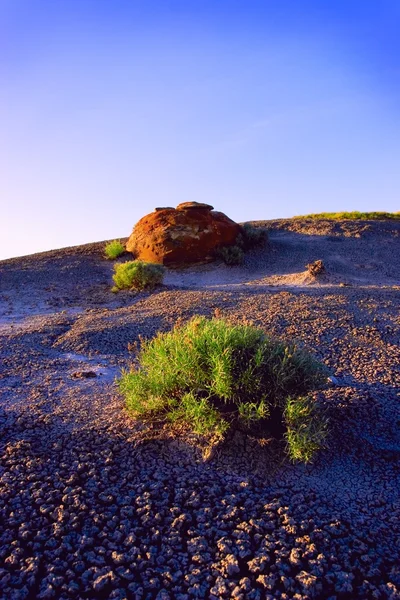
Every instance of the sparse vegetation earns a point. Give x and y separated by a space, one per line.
253 237
114 249
353 216
137 275
213 375
250 237
231 255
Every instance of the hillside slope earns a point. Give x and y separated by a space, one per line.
94 505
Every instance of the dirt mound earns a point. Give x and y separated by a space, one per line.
349 257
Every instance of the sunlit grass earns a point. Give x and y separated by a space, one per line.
114 249
353 216
137 275
307 428
212 376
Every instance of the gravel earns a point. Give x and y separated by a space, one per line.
96 505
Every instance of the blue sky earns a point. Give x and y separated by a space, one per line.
262 108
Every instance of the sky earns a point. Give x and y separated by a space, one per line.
262 108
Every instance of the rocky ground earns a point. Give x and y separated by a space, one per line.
94 505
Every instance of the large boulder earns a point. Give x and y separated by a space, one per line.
189 233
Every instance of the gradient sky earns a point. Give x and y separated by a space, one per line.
262 108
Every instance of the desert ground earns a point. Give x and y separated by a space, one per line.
96 505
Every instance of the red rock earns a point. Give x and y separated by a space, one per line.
188 234
194 206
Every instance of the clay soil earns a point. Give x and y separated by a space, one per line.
96 505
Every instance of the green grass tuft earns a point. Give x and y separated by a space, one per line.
202 416
307 428
212 375
353 216
114 249
137 275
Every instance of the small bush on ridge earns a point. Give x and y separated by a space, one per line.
253 237
212 375
250 237
114 249
137 275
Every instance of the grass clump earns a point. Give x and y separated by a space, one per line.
212 376
137 275
353 216
201 415
306 430
114 249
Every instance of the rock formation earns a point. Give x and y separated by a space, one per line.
187 234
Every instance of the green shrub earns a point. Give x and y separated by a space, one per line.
137 275
253 237
250 237
231 255
114 249
212 375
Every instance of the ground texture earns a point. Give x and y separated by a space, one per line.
92 507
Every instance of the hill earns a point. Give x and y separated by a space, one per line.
94 504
